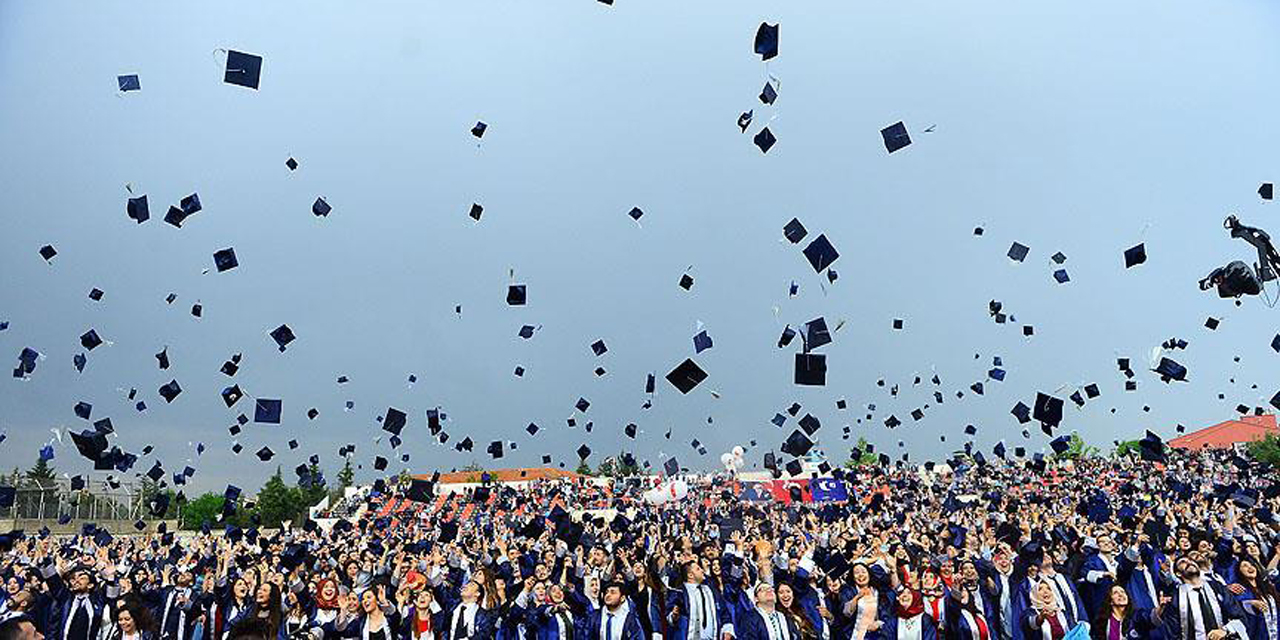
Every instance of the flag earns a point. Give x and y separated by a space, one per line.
754 492
829 490
783 491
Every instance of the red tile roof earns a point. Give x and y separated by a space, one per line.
1225 434
504 475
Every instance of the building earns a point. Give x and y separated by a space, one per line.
1228 434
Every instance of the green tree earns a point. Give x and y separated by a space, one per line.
314 492
203 509
1128 448
859 456
1077 449
1265 450
278 502
584 468
41 475
41 499
347 476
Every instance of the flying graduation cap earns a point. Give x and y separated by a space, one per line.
895 136
766 43
243 69
129 82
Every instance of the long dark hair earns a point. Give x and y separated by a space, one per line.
271 614
796 614
142 618
1259 585
1104 613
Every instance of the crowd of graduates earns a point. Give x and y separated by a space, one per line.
1113 548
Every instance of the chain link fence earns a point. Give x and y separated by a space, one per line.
49 501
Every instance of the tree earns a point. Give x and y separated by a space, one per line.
1076 450
278 502
41 499
859 456
1266 450
583 468
314 491
1128 448
347 476
201 510
41 475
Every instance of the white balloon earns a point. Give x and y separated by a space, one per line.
655 497
738 451
726 459
679 489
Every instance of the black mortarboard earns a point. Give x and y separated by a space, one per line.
766 43
768 94
90 444
686 282
225 260
170 391
671 466
1018 252
162 358
811 369
243 69
1265 191
1170 370
90 340
95 294
516 294
83 410
810 424
598 347
686 376
744 120
788 334
495 449
265 454
794 231
321 208
283 335
1022 412
1091 390
479 129
48 252
231 395
130 82
379 463
267 410
394 421
476 211
794 468
137 209
820 253
816 333
1135 256
797 444
1048 409
895 136
1060 444
764 140
1152 448
291 163
584 452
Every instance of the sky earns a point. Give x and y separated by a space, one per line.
1084 127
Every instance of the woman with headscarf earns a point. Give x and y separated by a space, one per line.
907 619
327 605
1045 620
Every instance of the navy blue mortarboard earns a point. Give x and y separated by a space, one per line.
768 95
671 466
129 82
811 369
1048 409
764 140
797 444
48 252
394 421
895 136
320 208
1135 256
1018 252
479 129
90 340
816 333
1022 412
686 376
599 348
516 294
1266 191
1060 444
170 391
83 410
701 342
90 444
526 331
794 231
820 253
766 43
1170 370
267 410
225 260
243 69
1152 448
283 335
788 334
231 395
137 209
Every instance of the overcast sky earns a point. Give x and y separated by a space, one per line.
1083 127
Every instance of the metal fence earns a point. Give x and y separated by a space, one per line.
52 500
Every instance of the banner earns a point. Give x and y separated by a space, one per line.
788 491
755 492
829 490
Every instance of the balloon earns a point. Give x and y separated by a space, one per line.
738 451
726 459
679 489
656 497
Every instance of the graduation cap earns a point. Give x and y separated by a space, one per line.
1017 253
48 252
788 334
816 333
671 466
130 82
283 335
225 260
764 140
321 208
895 136
794 231
1170 370
1060 444
686 282
584 452
701 342
766 43
820 253
495 449
1022 412
526 331
516 295
1061 276
811 369
95 294
1152 448
90 340
291 163
83 410
810 424
1265 191
170 391
90 444
797 444
267 411
686 376
598 347
768 94
1135 255
744 120
243 69
479 129
794 468
1048 409
476 211
138 210
394 421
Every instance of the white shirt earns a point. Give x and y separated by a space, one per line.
776 624
911 628
619 619
700 595
468 614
